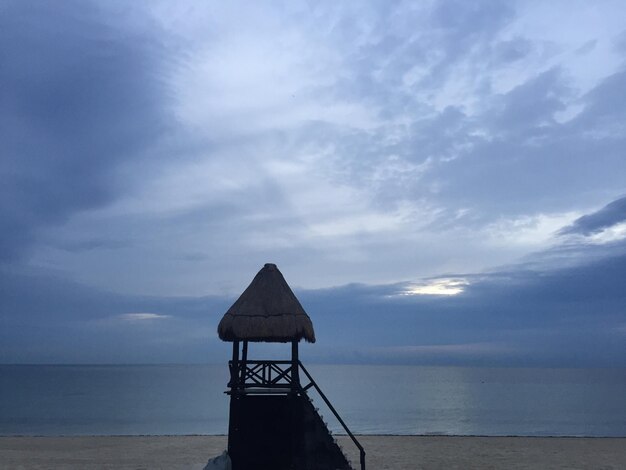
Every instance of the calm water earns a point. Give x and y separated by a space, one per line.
189 399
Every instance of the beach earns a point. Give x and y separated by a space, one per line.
383 452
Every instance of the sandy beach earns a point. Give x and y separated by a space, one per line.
383 452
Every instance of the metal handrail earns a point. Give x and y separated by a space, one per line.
330 406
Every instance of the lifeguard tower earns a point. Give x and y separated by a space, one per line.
273 423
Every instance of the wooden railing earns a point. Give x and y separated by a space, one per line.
266 374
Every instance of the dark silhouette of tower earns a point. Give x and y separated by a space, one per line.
273 423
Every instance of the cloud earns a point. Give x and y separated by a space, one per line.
80 96
426 132
46 318
567 315
153 155
610 215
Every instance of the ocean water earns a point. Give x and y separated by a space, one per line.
190 399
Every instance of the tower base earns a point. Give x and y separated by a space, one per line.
280 432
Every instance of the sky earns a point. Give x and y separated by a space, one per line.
441 182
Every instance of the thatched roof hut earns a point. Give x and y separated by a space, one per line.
267 311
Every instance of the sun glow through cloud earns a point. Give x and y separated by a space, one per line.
142 316
437 287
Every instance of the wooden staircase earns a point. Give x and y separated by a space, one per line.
321 449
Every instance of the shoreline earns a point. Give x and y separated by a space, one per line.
405 452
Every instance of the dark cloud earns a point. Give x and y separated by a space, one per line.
79 95
92 244
619 43
468 32
512 50
46 318
513 155
437 40
46 299
571 316
611 214
527 161
528 109
466 19
587 47
604 113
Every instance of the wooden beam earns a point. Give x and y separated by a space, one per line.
244 365
295 375
234 368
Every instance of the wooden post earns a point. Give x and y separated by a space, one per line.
234 369
244 361
234 411
295 366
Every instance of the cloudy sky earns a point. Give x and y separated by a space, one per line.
441 182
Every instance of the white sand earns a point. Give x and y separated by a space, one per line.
383 452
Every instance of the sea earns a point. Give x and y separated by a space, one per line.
401 400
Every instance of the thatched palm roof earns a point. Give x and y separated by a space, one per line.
268 311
